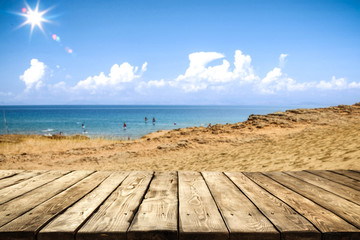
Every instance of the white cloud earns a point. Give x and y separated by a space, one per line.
276 80
199 76
354 85
197 68
144 67
339 83
156 83
118 75
243 69
282 60
33 76
150 84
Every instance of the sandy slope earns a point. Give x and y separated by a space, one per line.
324 138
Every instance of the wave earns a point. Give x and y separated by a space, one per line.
48 130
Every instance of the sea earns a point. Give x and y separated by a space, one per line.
107 121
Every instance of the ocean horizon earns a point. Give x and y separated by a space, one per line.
107 121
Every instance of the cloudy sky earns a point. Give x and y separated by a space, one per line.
180 52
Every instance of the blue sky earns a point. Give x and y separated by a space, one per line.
181 52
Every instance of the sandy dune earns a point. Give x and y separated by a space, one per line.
323 138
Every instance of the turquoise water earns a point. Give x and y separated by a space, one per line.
107 120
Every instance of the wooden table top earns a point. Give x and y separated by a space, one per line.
51 205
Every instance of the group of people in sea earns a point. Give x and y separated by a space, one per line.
153 120
124 125
146 119
83 127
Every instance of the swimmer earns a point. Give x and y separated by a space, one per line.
124 126
153 121
145 119
174 123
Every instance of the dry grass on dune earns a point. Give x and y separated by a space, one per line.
292 140
35 144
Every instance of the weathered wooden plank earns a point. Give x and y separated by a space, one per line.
242 217
286 220
13 191
27 225
338 205
5 182
349 173
14 208
157 217
332 226
337 178
336 188
114 216
65 225
9 173
199 217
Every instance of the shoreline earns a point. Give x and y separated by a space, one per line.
296 139
108 122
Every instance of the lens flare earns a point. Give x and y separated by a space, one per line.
33 17
55 37
68 50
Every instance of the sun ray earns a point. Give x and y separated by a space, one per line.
34 17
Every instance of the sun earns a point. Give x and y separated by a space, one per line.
34 17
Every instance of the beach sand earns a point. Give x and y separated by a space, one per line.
302 139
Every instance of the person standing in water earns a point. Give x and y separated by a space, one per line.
145 119
153 121
124 126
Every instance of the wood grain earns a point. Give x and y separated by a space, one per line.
14 208
9 173
286 220
114 216
5 182
27 225
186 205
242 217
199 217
337 178
23 187
349 173
333 187
157 217
64 226
338 205
327 222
